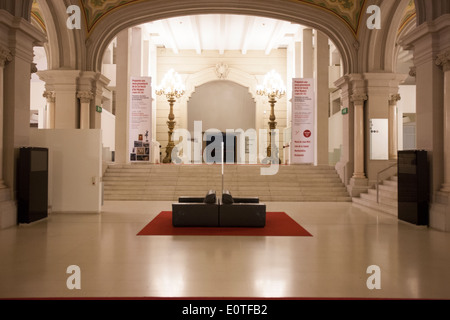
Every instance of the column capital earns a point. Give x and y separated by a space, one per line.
85 96
394 98
443 60
359 98
34 68
5 56
50 96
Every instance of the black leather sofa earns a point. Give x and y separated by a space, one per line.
196 212
241 212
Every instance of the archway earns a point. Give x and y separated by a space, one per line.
313 16
216 104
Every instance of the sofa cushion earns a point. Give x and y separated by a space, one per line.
227 198
211 197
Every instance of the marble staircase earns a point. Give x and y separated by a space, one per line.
146 182
388 197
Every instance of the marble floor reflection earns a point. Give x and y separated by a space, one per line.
114 262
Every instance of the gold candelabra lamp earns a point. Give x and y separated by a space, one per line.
273 88
173 88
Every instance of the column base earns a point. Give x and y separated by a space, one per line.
445 188
357 186
440 212
8 210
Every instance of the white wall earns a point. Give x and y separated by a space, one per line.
75 166
335 135
255 64
222 105
108 130
407 104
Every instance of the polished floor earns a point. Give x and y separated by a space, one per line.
414 261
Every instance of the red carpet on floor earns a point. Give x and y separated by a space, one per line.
278 224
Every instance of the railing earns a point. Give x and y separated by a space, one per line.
378 179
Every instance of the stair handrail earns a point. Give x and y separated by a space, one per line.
378 179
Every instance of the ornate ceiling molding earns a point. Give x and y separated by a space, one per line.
349 11
36 15
408 15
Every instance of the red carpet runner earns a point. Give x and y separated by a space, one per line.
278 224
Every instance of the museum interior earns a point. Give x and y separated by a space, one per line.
280 148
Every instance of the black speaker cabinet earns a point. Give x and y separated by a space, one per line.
413 187
32 185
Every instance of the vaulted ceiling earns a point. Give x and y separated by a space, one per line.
222 33
349 11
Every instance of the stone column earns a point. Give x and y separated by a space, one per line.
393 126
64 85
5 56
51 98
443 61
322 58
122 97
358 100
85 103
308 54
298 59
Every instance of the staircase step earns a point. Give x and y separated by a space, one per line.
373 197
376 206
168 182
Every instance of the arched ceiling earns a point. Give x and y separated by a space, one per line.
408 15
350 11
37 16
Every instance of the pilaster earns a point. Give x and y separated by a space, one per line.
430 42
95 83
5 57
63 83
382 90
322 57
393 126
85 102
17 39
359 182
51 99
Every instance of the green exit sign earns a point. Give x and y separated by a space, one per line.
99 109
345 111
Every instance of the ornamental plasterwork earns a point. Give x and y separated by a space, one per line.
350 11
5 56
394 98
222 70
359 98
408 15
37 16
85 96
443 60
